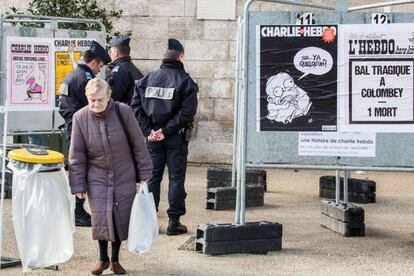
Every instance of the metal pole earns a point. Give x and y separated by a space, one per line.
3 174
337 187
329 167
236 120
380 5
346 178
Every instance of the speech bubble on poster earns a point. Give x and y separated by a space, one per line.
313 60
22 71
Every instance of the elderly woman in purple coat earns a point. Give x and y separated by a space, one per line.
101 166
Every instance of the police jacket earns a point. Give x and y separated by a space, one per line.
166 99
122 78
72 92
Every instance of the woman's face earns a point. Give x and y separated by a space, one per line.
98 102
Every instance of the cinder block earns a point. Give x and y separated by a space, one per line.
219 205
362 198
214 183
354 185
261 246
224 174
250 238
344 228
248 231
343 212
227 193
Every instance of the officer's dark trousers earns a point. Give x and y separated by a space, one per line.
173 152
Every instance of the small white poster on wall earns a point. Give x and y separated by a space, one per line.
30 73
336 144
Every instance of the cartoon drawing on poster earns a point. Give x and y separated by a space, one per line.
67 56
297 85
376 93
29 74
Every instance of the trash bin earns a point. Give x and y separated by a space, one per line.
8 188
42 207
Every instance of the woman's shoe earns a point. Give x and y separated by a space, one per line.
117 268
99 267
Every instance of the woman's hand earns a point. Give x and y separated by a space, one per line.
81 195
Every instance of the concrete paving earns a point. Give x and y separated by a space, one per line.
308 249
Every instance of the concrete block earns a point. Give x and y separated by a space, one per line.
205 109
227 193
168 8
224 70
206 50
363 198
216 29
139 49
200 69
343 228
219 205
146 65
224 109
132 7
214 131
156 48
250 238
210 152
213 183
248 231
252 175
344 212
185 28
354 185
190 8
259 246
150 28
219 89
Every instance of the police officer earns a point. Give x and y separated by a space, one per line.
72 98
123 72
165 102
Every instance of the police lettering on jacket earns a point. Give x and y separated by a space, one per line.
166 99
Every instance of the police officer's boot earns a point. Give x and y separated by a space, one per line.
82 218
175 227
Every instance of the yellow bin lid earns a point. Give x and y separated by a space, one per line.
25 156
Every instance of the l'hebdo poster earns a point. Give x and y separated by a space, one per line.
376 92
297 71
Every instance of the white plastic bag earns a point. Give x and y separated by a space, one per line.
43 215
143 224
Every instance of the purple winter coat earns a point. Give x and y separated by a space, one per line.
100 164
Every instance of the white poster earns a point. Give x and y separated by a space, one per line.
30 73
337 144
375 78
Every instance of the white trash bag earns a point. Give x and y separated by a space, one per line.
43 214
143 224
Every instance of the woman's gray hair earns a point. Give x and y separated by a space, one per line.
95 85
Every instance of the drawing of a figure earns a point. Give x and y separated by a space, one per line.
33 89
286 101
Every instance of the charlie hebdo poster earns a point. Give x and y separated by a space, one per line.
29 73
376 93
297 78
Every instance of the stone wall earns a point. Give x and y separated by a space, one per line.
210 58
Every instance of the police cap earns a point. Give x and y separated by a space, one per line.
174 44
100 52
120 41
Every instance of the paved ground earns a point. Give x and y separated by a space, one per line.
308 249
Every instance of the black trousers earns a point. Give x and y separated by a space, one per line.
173 153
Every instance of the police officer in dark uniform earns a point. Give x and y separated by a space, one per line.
165 102
123 72
72 98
